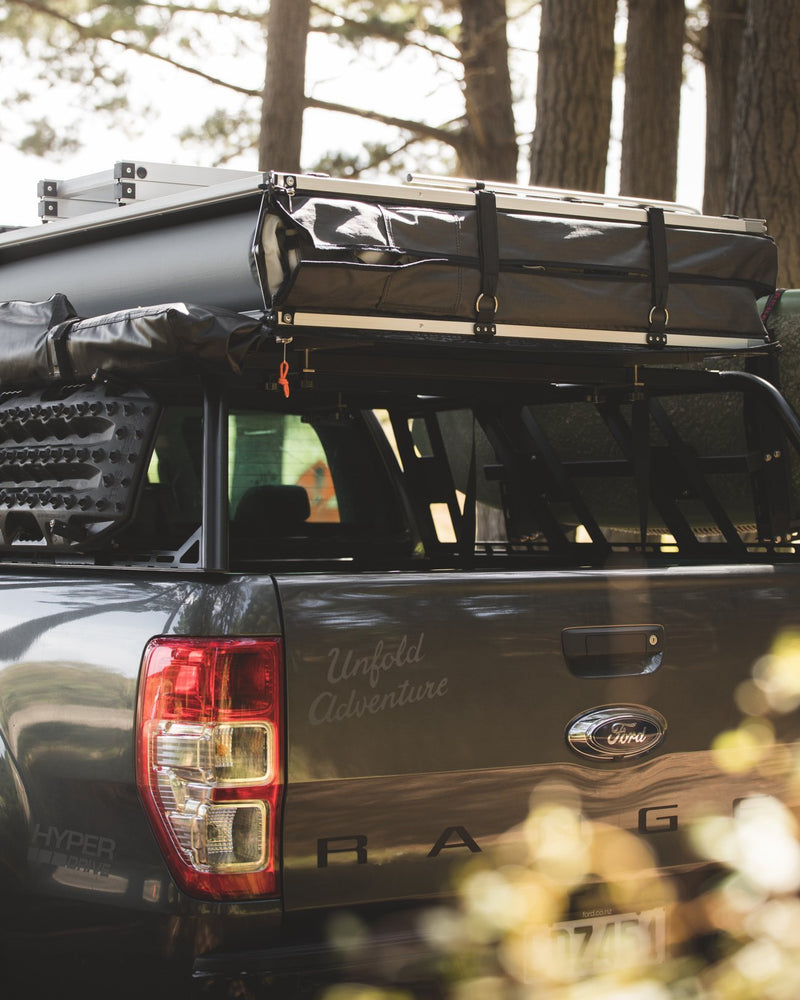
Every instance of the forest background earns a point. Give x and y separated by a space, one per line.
582 94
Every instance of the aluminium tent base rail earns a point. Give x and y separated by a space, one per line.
291 322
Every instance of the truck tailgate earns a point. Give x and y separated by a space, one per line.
424 710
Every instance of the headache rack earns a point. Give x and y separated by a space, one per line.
579 474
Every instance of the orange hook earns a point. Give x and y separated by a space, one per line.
282 379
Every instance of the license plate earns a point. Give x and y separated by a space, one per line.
593 945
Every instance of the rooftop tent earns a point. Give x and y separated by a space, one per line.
511 264
458 258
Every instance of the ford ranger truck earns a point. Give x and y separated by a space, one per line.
296 620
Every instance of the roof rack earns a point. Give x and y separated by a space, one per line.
549 194
435 190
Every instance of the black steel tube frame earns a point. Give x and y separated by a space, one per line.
214 533
782 408
214 556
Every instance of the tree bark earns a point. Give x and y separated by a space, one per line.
721 55
653 77
765 168
489 149
283 98
573 94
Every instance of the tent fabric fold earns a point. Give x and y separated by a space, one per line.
43 342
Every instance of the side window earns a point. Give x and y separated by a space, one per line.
298 487
268 452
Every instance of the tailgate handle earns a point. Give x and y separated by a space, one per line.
613 650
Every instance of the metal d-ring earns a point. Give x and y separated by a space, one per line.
666 315
480 299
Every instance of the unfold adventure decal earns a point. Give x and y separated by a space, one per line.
367 685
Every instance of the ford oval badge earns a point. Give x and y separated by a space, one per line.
616 731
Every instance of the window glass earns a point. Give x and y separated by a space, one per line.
277 449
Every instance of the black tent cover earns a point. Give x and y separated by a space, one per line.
44 342
341 255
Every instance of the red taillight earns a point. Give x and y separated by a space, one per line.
208 761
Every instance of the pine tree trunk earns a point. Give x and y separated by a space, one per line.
284 87
489 149
765 168
573 94
653 76
721 55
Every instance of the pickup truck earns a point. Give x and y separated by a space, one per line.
298 620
